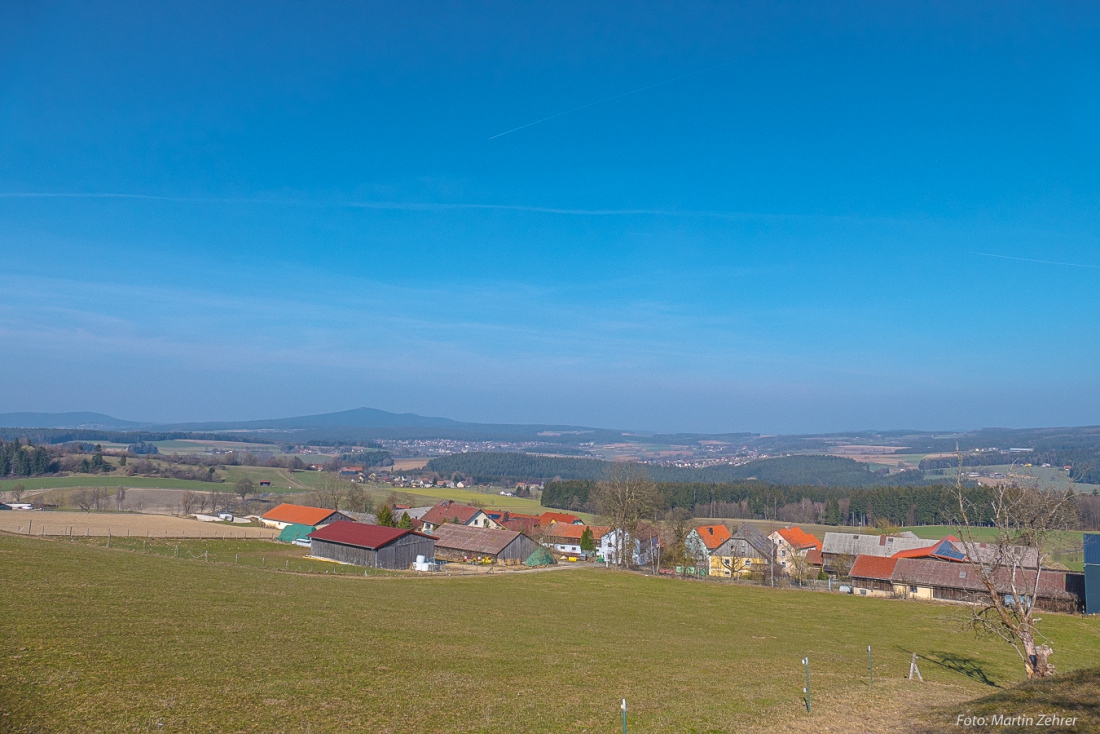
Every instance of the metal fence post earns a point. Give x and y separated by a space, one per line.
806 662
870 666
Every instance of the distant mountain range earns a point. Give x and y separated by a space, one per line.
67 420
363 424
355 423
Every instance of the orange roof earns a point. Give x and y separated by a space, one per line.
549 517
298 514
450 511
565 531
873 567
799 538
713 535
917 552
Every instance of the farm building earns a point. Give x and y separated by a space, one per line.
467 543
280 516
646 547
702 541
373 546
566 538
793 546
932 578
841 546
454 513
741 554
548 517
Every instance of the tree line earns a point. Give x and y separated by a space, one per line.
901 506
801 469
25 460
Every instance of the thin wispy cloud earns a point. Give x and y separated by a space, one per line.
435 206
608 99
1040 262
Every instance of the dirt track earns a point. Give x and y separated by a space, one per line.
122 524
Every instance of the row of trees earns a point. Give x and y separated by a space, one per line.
488 467
25 460
900 506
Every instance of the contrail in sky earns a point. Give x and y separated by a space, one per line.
609 99
413 206
1041 262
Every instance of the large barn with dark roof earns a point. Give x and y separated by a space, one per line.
373 546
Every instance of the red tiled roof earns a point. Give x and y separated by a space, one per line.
873 567
549 517
361 534
563 531
713 535
298 514
450 511
501 515
525 525
813 557
799 538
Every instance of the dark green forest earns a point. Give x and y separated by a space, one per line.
915 505
832 471
19 460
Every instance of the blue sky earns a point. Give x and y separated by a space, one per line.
811 217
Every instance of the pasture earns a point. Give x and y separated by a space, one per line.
117 640
432 495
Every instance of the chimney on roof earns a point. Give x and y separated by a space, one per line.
882 540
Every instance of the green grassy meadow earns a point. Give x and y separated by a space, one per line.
1074 698
525 505
118 639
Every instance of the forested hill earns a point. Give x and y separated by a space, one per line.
815 470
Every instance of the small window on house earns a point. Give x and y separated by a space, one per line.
962 574
912 589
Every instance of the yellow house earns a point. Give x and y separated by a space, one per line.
743 553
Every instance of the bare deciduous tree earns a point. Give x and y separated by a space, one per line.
188 500
120 497
99 498
17 493
331 491
623 500
244 487
83 500
842 565
218 500
798 566
678 525
358 500
1025 520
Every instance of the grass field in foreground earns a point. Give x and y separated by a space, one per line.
114 640
1074 699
